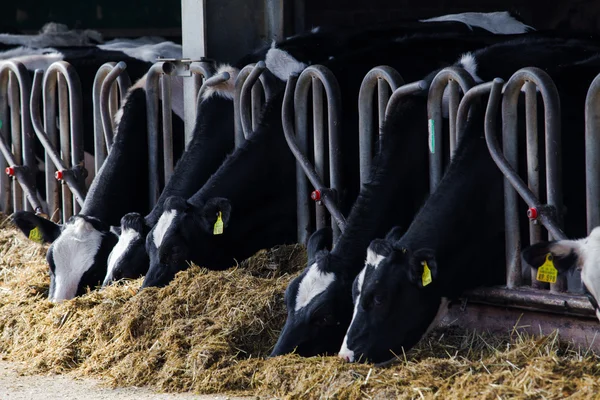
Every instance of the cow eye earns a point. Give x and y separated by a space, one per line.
378 300
325 320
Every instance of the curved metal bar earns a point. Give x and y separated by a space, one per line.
71 176
212 81
375 78
25 168
247 91
152 87
450 77
592 154
105 91
201 71
296 137
404 90
551 101
464 108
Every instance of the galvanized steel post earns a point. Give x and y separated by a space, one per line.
592 154
454 78
158 70
73 176
382 78
297 137
19 159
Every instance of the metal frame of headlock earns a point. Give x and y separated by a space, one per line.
526 298
251 84
454 79
18 154
110 88
295 118
60 77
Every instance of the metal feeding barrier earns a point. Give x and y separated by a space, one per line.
64 146
18 147
110 88
455 80
295 127
251 86
592 154
515 294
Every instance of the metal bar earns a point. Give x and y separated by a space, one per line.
378 76
404 90
152 87
24 167
105 94
465 106
296 136
435 120
256 102
72 175
167 128
65 144
592 154
513 268
194 41
246 97
533 164
454 101
509 135
212 81
319 146
16 138
5 181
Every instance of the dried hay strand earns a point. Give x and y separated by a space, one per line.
209 332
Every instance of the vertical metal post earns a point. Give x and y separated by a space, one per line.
383 77
435 120
193 30
510 143
17 142
592 154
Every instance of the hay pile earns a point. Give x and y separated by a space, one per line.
209 331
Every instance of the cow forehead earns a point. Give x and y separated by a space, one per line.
124 243
314 282
163 225
73 254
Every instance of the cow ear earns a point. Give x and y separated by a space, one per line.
564 254
320 240
422 267
216 213
36 228
395 234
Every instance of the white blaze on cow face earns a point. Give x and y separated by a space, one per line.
373 258
345 352
163 225
499 23
116 255
314 283
282 64
73 254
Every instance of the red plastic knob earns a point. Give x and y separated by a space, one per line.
59 175
532 213
316 195
10 171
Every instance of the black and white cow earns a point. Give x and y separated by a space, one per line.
184 233
408 278
80 248
212 141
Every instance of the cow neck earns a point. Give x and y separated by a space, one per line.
392 195
212 140
123 168
256 172
464 212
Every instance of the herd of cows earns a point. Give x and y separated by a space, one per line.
404 254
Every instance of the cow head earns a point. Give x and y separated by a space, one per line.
78 254
396 300
128 259
318 303
566 255
186 232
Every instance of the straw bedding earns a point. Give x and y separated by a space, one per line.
209 332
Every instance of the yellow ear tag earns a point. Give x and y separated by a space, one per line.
547 272
35 235
426 274
218 229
